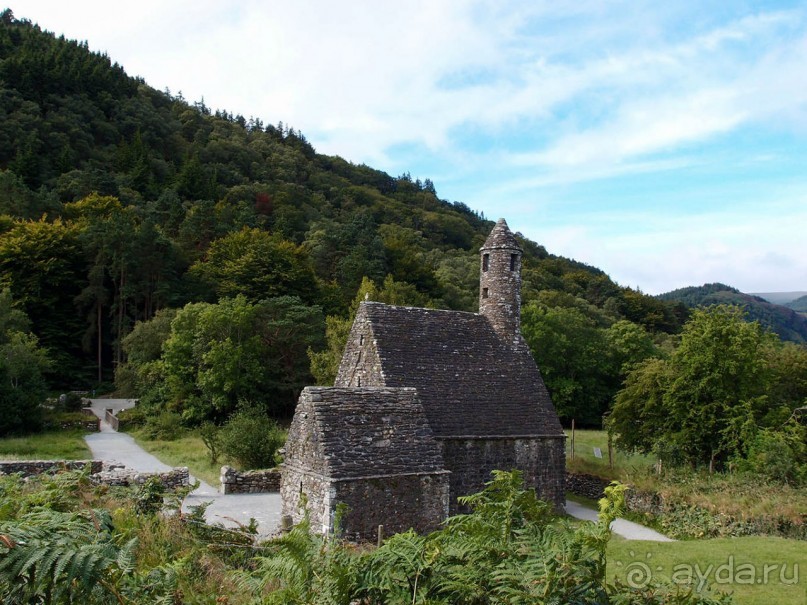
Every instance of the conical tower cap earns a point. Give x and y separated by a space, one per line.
501 237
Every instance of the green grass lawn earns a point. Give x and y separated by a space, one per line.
585 461
51 445
756 570
188 450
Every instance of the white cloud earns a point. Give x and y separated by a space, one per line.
657 251
552 94
363 76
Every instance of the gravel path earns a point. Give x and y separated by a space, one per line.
621 527
230 510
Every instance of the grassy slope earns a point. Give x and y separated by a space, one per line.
188 450
585 461
679 559
734 495
625 556
53 445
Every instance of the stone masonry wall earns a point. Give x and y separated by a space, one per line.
360 365
500 283
296 485
419 502
400 502
588 486
121 476
249 482
592 487
29 468
471 462
108 473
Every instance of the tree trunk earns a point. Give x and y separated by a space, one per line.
98 316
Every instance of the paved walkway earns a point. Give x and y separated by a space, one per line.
230 510
621 527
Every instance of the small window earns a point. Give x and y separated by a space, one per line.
358 381
361 339
484 292
485 262
513 261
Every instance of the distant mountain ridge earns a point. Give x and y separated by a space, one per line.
782 320
799 305
780 298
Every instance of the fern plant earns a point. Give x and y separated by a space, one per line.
302 568
55 557
58 557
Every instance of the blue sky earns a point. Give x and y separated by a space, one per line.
665 143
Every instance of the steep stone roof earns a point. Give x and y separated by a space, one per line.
469 381
361 432
501 237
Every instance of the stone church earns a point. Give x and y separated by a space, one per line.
425 405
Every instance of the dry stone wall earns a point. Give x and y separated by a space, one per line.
107 473
118 475
587 486
593 488
249 482
29 468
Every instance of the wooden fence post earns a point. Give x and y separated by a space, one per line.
572 452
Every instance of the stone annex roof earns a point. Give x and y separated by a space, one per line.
349 433
501 237
469 381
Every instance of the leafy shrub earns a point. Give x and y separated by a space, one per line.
149 496
132 418
509 549
166 426
71 402
779 456
251 439
126 380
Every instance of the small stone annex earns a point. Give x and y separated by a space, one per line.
426 404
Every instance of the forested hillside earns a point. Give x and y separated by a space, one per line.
799 305
118 202
783 320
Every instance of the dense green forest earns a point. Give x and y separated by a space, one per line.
782 319
118 201
207 262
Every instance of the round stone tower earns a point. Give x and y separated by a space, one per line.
500 282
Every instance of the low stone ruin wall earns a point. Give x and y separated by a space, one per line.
121 476
592 487
29 468
587 486
249 482
108 473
